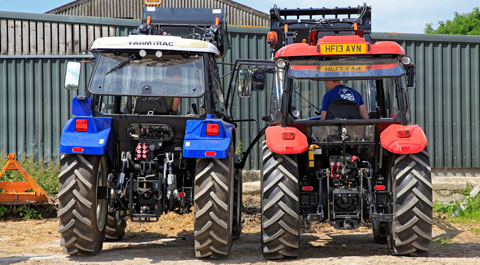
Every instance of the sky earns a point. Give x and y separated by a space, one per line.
401 16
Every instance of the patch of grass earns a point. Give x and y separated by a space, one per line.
445 208
45 173
474 229
444 241
470 215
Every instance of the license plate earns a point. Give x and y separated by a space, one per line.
343 48
343 68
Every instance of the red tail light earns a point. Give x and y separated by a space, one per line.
181 194
403 133
77 149
288 135
379 187
307 188
212 129
81 125
210 153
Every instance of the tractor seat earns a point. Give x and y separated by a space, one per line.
151 105
343 109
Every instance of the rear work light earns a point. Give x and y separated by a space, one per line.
403 133
212 129
288 135
81 125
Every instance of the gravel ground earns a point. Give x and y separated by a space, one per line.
170 241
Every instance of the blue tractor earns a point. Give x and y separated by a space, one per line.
151 135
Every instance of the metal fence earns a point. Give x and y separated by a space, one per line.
34 106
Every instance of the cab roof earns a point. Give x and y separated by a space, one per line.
154 42
340 45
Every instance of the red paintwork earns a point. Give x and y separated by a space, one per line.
367 67
411 145
277 144
303 49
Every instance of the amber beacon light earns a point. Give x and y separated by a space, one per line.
153 2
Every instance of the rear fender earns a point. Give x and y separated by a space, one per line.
96 141
415 143
197 144
277 143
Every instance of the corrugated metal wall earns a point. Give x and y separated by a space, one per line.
33 34
446 102
237 14
34 106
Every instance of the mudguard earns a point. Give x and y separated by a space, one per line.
197 144
96 141
278 144
414 143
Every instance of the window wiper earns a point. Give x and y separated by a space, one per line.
121 64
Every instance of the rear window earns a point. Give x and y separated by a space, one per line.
346 68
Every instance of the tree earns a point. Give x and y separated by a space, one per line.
462 24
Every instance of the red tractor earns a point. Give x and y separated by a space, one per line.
354 161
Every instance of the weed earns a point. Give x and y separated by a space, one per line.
445 208
468 188
238 149
444 241
3 211
471 213
28 213
474 229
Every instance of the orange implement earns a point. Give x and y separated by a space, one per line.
17 191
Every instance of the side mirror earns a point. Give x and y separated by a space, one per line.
244 84
411 82
72 75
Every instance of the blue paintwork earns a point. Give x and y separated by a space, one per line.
82 107
94 142
196 141
97 141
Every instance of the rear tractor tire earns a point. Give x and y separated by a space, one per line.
411 230
115 227
213 207
237 205
280 206
82 216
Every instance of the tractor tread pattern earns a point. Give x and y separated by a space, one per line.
412 228
78 228
114 227
280 206
212 234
